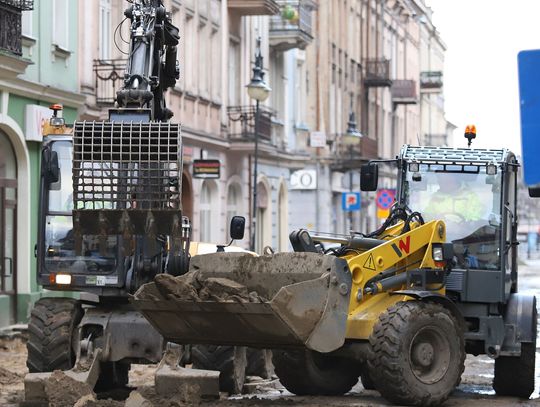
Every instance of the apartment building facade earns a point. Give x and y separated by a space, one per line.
38 67
370 62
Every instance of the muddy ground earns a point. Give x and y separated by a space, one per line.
475 388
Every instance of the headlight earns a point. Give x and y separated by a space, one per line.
63 279
438 253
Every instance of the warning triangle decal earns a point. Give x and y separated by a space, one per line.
370 264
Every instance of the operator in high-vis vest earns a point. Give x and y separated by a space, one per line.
454 201
461 208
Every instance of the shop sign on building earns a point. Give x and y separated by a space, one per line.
317 139
34 117
206 169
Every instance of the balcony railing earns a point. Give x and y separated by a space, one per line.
242 123
293 27
404 92
431 80
11 26
21 5
109 78
377 73
253 7
349 157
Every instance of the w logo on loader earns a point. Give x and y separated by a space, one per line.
404 246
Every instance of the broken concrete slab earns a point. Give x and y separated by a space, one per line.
204 383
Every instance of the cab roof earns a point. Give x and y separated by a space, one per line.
454 155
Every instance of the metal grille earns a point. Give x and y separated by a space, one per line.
23 5
126 165
454 154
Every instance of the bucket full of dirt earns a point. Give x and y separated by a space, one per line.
281 300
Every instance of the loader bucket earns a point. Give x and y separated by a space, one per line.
276 301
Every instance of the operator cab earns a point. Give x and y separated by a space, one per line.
474 193
468 200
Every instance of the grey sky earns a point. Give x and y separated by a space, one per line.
481 83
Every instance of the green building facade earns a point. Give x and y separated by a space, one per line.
38 67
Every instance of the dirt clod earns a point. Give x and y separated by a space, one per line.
190 287
64 391
7 377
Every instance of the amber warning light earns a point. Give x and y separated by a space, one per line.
470 133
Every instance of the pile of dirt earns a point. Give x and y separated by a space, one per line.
7 377
191 287
64 391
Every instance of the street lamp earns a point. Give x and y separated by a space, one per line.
257 89
351 138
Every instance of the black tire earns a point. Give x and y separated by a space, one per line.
231 361
305 372
514 376
259 363
417 354
52 327
365 378
112 375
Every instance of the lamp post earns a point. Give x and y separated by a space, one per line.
351 138
257 89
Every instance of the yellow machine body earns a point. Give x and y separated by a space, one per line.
403 251
303 299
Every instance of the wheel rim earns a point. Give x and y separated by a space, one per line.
429 355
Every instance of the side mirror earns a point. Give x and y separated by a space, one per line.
51 169
238 225
534 192
369 177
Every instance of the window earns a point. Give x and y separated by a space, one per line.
234 74
105 29
188 52
204 66
61 23
207 211
234 201
27 23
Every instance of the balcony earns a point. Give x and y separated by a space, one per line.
109 78
242 123
352 157
253 7
431 81
292 27
10 21
377 73
404 92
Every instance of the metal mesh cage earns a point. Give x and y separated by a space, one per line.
123 167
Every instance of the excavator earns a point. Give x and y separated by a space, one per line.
111 220
398 308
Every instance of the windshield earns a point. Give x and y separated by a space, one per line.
63 250
469 202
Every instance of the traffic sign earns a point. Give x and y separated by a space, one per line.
350 201
385 198
529 102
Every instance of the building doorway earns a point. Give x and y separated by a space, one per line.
8 223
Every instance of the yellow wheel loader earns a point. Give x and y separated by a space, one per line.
399 307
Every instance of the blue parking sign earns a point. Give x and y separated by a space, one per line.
350 201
